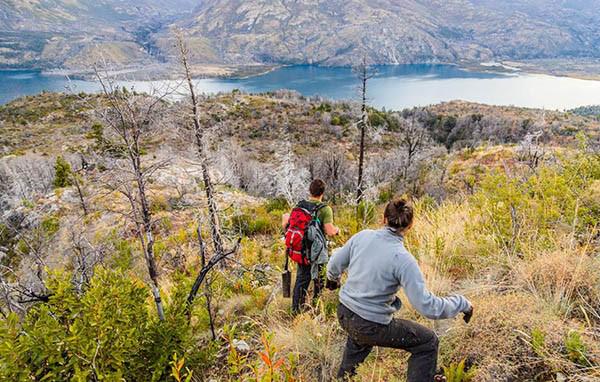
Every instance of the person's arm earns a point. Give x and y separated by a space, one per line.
285 218
328 227
424 301
339 261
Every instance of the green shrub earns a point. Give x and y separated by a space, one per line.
277 204
377 119
340 120
50 225
73 337
366 213
324 107
457 372
249 225
256 221
576 349
109 332
62 173
538 341
97 134
517 210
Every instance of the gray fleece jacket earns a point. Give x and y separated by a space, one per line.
379 265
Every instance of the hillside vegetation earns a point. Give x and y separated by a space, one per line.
507 212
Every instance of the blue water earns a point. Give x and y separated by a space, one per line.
393 87
18 83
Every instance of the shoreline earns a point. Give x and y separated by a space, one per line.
166 72
158 72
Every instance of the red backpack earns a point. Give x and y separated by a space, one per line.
301 218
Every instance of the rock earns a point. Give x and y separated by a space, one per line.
241 346
69 196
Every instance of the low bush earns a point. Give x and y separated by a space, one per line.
250 221
62 173
109 332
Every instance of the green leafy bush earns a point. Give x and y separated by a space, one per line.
107 332
77 337
517 210
277 204
538 341
458 372
576 349
62 173
252 221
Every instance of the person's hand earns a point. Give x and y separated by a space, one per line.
332 285
467 314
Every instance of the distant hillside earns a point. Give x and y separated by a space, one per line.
333 32
63 33
395 31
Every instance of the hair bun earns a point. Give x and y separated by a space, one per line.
399 214
400 204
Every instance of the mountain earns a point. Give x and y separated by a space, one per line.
334 32
63 33
74 33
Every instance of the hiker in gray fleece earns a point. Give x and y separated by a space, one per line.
378 265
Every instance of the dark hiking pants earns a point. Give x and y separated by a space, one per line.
416 339
303 279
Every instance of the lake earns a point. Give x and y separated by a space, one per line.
393 87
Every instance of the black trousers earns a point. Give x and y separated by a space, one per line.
303 280
420 341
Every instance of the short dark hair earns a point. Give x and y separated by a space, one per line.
399 214
317 188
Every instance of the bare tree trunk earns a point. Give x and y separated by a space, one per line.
204 271
130 123
149 237
207 287
198 133
81 195
364 76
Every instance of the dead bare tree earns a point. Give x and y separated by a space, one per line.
364 74
203 275
27 283
84 256
413 138
199 132
334 166
530 150
132 118
78 182
290 179
199 135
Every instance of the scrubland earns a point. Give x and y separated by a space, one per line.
504 215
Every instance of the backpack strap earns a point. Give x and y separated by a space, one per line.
319 207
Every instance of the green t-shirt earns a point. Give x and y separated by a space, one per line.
325 214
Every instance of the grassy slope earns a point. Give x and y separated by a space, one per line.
543 279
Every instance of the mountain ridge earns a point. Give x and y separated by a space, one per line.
332 33
393 31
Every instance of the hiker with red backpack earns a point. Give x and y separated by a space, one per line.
306 229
